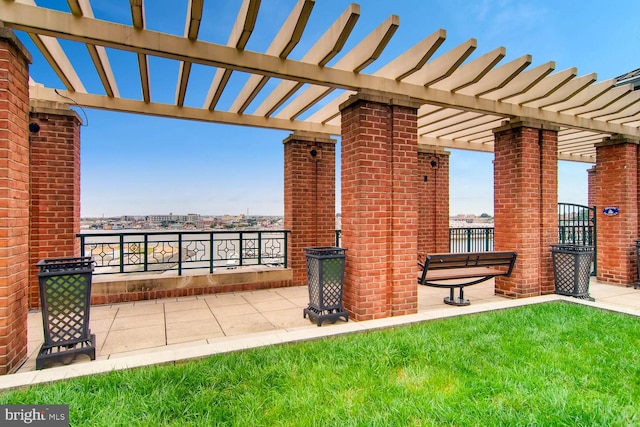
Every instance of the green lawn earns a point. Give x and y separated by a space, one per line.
551 364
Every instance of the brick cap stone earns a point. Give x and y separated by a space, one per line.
310 137
381 98
8 35
616 140
526 123
54 108
432 149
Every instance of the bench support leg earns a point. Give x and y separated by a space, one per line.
456 301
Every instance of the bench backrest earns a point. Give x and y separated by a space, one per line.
470 259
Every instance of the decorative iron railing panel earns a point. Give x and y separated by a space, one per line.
151 251
577 226
473 239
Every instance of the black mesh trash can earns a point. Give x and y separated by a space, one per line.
325 275
572 270
65 293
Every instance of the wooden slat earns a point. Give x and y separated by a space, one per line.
173 111
521 83
320 53
567 91
498 77
191 29
284 42
98 54
602 101
631 111
456 117
55 56
442 66
355 60
438 116
137 15
479 124
616 107
545 87
242 29
471 72
584 96
413 59
404 65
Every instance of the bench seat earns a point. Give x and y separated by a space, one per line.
463 273
457 270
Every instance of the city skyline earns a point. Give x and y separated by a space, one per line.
135 163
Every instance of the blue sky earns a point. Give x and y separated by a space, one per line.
135 164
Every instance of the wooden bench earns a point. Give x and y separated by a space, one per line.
474 266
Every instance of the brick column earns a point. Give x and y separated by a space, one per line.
433 200
379 205
617 186
591 176
55 187
526 204
14 200
309 196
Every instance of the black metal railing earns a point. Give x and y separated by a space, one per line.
151 251
479 239
475 239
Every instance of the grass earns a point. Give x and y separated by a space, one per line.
553 364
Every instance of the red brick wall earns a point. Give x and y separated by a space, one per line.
14 201
309 197
525 205
379 207
119 297
617 185
55 189
433 201
591 176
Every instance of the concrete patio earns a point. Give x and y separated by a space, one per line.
164 331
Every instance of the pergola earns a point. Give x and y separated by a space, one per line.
394 125
462 101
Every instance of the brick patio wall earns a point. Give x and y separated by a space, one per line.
14 200
433 201
135 287
55 187
592 184
617 186
379 205
525 204
309 197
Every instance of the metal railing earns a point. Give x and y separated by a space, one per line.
476 239
479 239
151 251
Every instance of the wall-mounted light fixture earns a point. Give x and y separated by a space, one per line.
34 127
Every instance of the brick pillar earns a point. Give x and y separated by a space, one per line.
526 204
55 187
14 200
617 186
591 176
309 196
379 205
433 201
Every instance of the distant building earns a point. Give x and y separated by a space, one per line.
632 77
174 219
